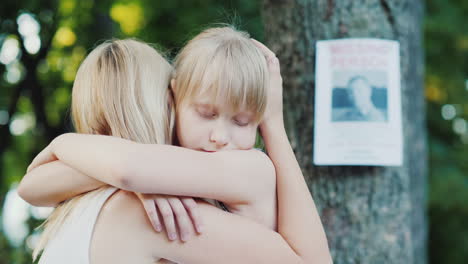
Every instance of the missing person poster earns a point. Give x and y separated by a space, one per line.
358 103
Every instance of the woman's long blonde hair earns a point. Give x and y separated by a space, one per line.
121 89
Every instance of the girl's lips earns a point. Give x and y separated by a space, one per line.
208 150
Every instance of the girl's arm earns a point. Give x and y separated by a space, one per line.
54 182
234 177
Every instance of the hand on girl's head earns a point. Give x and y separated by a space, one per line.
275 92
269 55
174 211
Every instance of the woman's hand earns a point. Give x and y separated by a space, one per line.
183 209
274 110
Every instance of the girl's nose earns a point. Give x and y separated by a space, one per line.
219 136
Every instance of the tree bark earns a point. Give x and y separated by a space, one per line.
371 214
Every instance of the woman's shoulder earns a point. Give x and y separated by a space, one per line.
119 199
121 203
123 224
126 209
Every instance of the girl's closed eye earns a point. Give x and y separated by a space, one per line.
206 112
242 120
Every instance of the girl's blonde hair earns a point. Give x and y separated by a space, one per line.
223 63
121 89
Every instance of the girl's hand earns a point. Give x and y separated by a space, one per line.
45 156
183 208
274 108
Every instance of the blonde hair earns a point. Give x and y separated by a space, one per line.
223 63
121 89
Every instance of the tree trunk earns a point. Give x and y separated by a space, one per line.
371 214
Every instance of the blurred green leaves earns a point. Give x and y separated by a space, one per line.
446 41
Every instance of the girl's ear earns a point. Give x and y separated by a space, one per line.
170 98
173 85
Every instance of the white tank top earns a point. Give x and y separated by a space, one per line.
72 241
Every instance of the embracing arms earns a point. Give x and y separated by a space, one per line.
300 239
53 182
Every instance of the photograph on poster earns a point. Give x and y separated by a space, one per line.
359 96
358 103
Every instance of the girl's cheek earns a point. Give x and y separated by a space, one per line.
247 139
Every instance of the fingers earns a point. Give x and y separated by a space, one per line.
272 60
168 217
191 207
175 213
150 209
183 221
266 51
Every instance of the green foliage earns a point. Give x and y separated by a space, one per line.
446 40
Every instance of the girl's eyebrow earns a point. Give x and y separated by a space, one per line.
205 105
214 107
245 113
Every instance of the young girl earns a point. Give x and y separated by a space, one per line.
229 125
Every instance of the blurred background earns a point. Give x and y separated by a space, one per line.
43 42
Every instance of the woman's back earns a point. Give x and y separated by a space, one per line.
76 230
101 229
